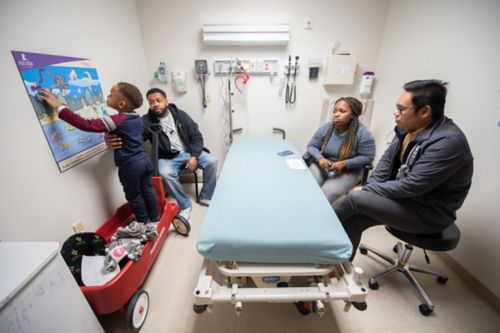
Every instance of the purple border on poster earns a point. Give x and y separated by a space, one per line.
30 60
74 82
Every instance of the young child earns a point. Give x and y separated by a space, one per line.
134 167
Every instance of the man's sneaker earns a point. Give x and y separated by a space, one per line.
204 202
185 213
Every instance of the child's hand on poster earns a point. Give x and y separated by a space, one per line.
46 96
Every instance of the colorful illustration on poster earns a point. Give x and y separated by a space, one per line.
75 82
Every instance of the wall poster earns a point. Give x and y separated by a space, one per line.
75 82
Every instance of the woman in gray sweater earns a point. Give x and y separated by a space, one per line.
340 148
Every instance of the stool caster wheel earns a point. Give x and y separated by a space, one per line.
425 310
373 284
442 279
363 250
199 308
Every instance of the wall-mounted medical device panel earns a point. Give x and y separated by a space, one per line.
256 66
201 67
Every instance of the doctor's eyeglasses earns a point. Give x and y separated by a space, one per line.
402 108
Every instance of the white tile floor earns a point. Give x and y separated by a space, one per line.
392 308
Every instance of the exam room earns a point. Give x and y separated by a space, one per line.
400 41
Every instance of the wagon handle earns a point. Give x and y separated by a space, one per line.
154 129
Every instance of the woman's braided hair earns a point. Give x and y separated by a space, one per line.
348 143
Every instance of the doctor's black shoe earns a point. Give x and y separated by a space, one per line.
304 308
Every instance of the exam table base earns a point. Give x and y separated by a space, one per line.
245 282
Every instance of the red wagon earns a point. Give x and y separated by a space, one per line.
124 290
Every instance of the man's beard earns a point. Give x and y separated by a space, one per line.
162 113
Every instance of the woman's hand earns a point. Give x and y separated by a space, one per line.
324 163
337 166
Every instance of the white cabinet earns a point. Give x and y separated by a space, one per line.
38 292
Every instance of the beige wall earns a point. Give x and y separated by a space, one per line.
171 31
455 41
400 40
37 202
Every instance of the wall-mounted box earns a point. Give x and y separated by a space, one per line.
340 69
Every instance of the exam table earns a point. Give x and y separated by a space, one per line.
270 234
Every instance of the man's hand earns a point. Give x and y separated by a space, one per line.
192 164
46 96
113 141
324 163
337 166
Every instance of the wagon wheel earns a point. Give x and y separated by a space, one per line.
181 225
137 310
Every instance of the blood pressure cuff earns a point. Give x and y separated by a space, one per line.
85 243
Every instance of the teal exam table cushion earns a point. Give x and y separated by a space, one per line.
265 211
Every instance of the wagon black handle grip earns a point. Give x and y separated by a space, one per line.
155 129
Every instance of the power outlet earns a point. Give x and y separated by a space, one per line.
78 227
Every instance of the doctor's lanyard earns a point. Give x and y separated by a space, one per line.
291 89
410 160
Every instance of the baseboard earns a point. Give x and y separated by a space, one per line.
486 294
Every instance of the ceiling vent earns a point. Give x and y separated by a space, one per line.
246 34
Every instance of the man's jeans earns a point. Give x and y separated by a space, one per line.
170 169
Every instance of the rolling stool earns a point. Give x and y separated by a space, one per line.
444 241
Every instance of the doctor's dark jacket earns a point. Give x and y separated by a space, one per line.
435 176
186 128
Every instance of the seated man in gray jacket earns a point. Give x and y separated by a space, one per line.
424 175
